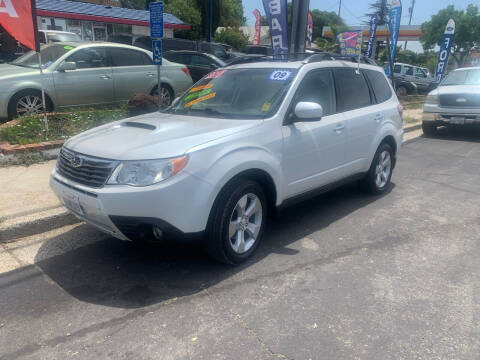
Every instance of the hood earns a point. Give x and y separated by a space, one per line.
7 71
154 136
457 89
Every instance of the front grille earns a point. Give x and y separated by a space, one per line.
460 100
83 169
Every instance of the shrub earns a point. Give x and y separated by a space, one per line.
232 37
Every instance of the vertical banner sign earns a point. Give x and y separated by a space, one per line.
350 43
371 38
18 18
309 29
156 33
276 11
394 18
445 47
258 18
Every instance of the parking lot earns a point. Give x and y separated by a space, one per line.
344 275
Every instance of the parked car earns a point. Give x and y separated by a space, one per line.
243 141
415 74
86 73
455 102
258 49
199 64
49 36
404 87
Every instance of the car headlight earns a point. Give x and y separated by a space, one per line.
146 172
432 99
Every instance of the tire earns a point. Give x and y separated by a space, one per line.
377 180
167 95
401 91
429 129
33 101
227 226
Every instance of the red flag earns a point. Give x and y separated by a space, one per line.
18 18
256 38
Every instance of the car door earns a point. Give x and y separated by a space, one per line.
355 102
314 151
133 72
421 79
90 83
409 73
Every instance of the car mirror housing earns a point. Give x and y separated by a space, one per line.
67 65
308 111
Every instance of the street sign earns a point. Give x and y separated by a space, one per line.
156 20
157 52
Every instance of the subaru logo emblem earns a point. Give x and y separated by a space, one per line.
76 161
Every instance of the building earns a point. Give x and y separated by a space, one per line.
95 21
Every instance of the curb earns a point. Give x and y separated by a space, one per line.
22 226
407 129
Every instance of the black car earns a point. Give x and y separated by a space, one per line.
258 49
199 64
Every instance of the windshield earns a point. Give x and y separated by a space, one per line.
463 77
236 94
50 54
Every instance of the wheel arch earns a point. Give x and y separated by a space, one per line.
48 98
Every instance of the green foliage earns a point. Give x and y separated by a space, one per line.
233 37
189 13
31 129
427 59
379 8
324 18
467 30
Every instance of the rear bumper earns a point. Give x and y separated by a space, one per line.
447 118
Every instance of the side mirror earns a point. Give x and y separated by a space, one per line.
67 65
308 111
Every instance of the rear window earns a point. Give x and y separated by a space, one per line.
352 90
380 85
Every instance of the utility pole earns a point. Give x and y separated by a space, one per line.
299 26
339 7
209 20
410 10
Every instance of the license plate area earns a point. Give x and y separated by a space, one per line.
72 202
457 120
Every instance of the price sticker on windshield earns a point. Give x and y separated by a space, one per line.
280 75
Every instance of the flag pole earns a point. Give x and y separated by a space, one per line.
39 56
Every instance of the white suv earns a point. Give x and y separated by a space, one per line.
244 140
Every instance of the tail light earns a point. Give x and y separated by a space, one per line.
186 71
400 111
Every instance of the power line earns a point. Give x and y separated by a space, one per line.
410 10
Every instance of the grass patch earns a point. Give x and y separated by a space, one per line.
413 102
31 129
410 120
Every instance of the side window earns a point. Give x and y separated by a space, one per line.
127 57
397 69
408 70
317 86
380 85
420 73
352 90
94 57
199 60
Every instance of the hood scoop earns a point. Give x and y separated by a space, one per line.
139 125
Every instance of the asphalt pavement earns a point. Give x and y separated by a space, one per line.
341 276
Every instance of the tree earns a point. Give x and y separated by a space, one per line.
379 8
190 14
324 18
233 37
467 31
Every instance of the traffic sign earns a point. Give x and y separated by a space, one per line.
157 52
156 20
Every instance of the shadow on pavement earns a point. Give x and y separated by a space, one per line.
457 133
116 273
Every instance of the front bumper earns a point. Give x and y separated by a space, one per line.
450 116
179 207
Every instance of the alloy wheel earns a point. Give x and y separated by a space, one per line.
165 97
383 169
28 105
245 223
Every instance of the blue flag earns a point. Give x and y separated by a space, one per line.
445 46
394 18
276 11
371 38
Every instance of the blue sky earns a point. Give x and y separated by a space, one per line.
353 10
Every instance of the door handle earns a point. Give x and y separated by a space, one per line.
339 128
105 77
150 74
378 117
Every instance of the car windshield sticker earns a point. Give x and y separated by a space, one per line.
68 47
215 74
280 75
266 106
197 100
197 88
197 94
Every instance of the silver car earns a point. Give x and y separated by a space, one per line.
88 73
455 102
